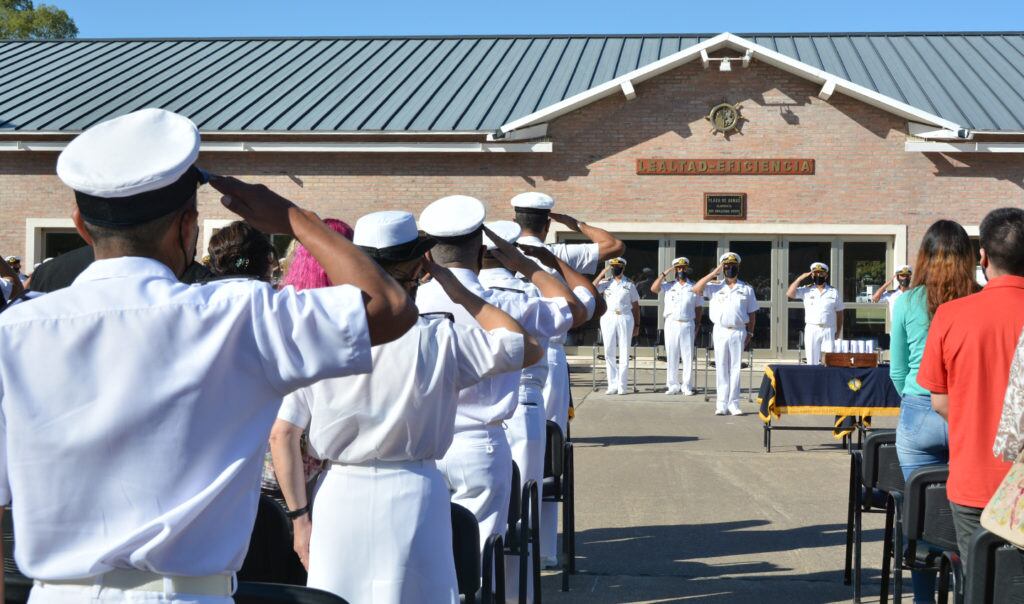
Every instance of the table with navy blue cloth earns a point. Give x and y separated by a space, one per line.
853 395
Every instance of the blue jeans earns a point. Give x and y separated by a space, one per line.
922 439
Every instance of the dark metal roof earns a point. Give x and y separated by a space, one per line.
448 84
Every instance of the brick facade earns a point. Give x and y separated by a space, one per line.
863 175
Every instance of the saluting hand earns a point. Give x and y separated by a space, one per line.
541 253
509 255
565 219
262 208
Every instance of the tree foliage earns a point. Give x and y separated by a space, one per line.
22 19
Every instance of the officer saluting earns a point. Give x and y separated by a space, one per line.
136 408
889 296
734 314
620 323
823 311
683 309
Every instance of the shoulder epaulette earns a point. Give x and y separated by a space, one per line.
438 315
508 289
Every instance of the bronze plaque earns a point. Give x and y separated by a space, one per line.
718 167
725 206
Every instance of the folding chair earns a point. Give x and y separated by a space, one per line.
802 358
925 520
558 488
659 343
995 571
16 585
271 557
492 587
523 534
874 473
466 549
276 593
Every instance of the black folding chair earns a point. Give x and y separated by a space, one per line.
466 548
16 585
874 473
271 557
523 534
492 587
995 571
558 488
924 521
277 593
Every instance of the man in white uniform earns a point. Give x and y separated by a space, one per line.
135 408
478 465
683 310
383 433
734 314
620 323
902 278
823 311
534 213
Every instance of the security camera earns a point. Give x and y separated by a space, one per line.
963 133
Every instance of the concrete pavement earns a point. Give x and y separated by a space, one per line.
675 504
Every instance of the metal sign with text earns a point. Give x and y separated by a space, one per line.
717 167
725 206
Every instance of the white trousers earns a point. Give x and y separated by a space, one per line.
817 339
74 594
679 344
526 433
382 533
556 406
728 366
478 470
616 333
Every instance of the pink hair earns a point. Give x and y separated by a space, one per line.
305 272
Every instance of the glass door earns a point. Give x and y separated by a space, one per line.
703 257
798 254
758 261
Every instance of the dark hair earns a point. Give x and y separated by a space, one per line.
142 239
239 249
532 221
945 264
1002 238
464 249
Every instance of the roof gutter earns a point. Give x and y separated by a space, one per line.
321 147
922 146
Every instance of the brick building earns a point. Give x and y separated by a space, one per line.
873 137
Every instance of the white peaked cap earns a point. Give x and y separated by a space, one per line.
682 260
616 261
727 256
506 229
534 200
906 268
453 216
385 229
819 266
135 153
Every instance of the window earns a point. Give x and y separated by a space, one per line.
60 241
863 269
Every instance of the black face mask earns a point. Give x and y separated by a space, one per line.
904 281
819 279
731 271
617 270
681 273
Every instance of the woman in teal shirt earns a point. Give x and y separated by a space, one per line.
945 271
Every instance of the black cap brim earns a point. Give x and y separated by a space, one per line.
401 253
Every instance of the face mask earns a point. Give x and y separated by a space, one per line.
681 273
819 279
731 271
617 270
904 281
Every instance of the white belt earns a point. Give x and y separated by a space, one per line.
817 324
140 580
743 328
690 320
380 463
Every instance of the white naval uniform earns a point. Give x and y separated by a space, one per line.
478 464
680 311
136 412
730 310
582 258
617 328
382 516
820 308
890 298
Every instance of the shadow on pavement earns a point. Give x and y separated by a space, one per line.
611 441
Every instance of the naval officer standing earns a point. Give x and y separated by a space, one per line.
733 311
823 311
902 278
620 323
683 311
382 434
136 409
478 465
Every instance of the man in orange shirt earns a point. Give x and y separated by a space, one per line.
966 367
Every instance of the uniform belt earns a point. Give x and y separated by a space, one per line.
817 324
380 463
617 311
140 580
528 404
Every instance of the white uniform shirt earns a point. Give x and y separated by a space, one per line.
680 301
581 257
730 306
820 306
490 401
136 411
405 409
619 295
890 298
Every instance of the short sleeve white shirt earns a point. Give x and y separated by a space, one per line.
581 257
820 306
680 301
405 410
890 298
619 295
730 306
136 411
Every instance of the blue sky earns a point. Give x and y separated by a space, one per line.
166 18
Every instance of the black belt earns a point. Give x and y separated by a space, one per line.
529 404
